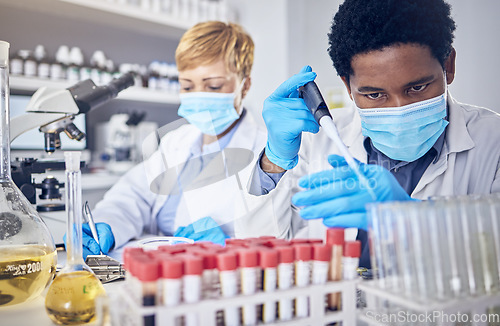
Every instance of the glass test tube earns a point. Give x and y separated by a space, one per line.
471 245
486 237
494 204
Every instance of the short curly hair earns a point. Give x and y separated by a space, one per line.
361 26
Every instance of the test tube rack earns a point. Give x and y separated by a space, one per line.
126 312
377 297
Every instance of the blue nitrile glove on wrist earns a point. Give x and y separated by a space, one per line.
90 246
204 229
286 117
337 196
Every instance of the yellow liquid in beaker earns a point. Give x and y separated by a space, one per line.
71 298
25 271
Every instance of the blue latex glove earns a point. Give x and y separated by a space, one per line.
286 117
204 229
337 196
90 246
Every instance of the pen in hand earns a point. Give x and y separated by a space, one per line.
90 219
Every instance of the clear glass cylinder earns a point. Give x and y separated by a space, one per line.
70 299
27 252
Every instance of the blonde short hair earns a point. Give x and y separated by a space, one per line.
208 42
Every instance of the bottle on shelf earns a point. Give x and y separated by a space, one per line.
59 67
43 63
30 65
17 64
97 65
75 65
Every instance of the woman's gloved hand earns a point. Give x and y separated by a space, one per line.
339 198
204 229
90 246
286 117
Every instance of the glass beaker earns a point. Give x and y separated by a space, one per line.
27 252
70 299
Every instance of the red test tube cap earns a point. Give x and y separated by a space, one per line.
129 251
193 265
146 269
286 254
268 258
299 241
335 236
208 256
352 249
226 261
248 258
171 268
322 252
302 251
315 241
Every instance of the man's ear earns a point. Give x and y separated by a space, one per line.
449 66
347 86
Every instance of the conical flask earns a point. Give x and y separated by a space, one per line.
70 299
27 252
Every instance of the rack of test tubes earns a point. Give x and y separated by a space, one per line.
435 262
247 282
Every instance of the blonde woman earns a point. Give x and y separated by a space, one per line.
193 184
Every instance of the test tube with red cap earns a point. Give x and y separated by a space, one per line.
192 284
249 267
269 265
147 271
286 258
131 280
335 239
228 270
303 255
210 277
321 261
350 261
171 274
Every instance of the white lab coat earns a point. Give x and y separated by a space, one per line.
468 163
131 206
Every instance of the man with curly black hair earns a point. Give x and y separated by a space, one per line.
412 138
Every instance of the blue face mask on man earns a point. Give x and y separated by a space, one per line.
405 133
211 113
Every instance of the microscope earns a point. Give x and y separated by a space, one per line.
53 110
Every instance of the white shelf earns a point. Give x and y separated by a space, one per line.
109 13
131 94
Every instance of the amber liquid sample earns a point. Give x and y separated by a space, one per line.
71 298
25 271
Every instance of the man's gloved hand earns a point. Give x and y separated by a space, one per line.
90 246
204 229
338 198
286 117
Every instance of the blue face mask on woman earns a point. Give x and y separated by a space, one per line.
211 113
405 133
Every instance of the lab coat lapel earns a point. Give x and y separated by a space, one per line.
457 140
